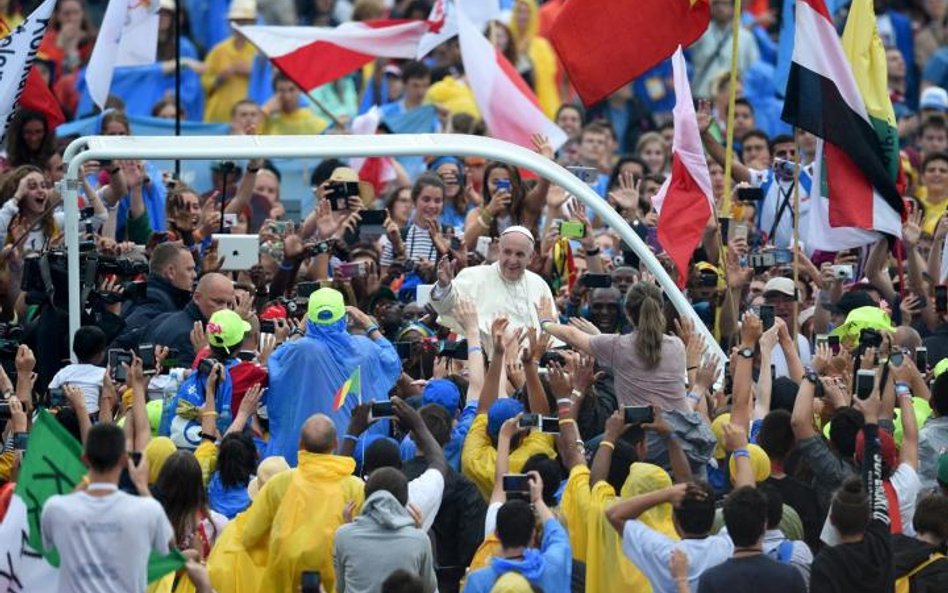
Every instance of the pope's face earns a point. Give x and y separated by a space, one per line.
516 251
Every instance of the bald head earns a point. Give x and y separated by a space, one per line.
318 434
214 293
908 338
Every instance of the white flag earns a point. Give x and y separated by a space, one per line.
443 20
17 52
21 568
128 37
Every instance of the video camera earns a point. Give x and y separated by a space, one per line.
46 275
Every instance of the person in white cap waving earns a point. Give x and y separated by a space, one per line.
505 287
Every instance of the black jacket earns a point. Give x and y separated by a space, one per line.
909 554
160 297
937 344
174 331
458 528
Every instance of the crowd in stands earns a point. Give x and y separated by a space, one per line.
450 375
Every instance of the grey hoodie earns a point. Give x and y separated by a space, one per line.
380 541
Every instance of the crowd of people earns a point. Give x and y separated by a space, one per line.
448 375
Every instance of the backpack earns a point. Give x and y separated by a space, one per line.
783 552
903 584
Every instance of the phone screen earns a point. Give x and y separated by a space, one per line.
941 299
767 316
864 382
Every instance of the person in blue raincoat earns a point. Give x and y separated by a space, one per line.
306 374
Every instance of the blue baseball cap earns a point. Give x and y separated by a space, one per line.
444 393
501 411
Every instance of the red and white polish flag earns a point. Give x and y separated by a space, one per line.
685 201
313 56
509 107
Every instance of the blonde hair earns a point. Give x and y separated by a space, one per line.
644 306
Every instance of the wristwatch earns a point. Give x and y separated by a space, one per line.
207 437
747 353
811 377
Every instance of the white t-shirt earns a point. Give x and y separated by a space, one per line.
87 377
651 551
779 359
104 541
425 492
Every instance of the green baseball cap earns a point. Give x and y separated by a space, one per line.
226 329
326 306
940 368
863 318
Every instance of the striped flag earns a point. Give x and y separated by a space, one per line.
128 37
685 201
313 56
352 385
509 107
824 98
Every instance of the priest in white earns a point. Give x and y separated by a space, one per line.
505 287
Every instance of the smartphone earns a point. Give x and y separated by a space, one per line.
516 483
502 185
304 289
454 350
638 414
530 421
571 229
230 221
588 175
724 223
750 194
56 398
767 316
483 246
116 360
941 299
382 410
147 353
865 381
921 359
267 326
404 349
822 340
349 270
372 223
206 366
761 261
596 280
280 227
740 232
783 257
549 425
728 379
310 581
833 342
707 279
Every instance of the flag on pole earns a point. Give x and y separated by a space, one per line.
37 96
19 51
508 106
313 56
352 385
52 466
128 37
685 201
605 44
824 98
443 20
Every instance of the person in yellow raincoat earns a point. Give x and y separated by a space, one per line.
297 512
525 26
589 493
232 567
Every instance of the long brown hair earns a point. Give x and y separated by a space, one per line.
643 304
8 186
518 195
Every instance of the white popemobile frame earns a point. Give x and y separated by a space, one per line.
247 147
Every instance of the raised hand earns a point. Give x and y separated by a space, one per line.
445 272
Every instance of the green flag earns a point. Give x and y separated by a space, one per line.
53 465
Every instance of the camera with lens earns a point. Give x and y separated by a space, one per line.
11 336
206 367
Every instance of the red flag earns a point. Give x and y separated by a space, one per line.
605 44
685 202
38 97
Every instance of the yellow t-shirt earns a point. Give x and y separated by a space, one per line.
479 456
221 100
933 212
301 121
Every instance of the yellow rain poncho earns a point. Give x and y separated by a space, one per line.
479 456
541 55
296 515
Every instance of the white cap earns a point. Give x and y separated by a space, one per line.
519 229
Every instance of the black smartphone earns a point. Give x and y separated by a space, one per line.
865 380
638 414
941 299
5 412
56 398
529 421
549 425
516 483
382 410
404 349
767 316
750 194
171 358
267 326
921 359
118 358
310 581
728 380
372 223
724 223
833 342
596 280
147 353
454 350
304 289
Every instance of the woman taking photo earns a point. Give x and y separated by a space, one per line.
506 203
422 241
455 209
649 366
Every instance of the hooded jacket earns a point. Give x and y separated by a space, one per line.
909 553
380 541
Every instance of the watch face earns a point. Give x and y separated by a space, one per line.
747 353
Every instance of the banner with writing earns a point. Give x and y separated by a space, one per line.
17 52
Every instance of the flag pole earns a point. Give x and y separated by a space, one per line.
335 120
796 235
732 98
177 81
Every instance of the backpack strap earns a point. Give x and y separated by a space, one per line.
931 560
